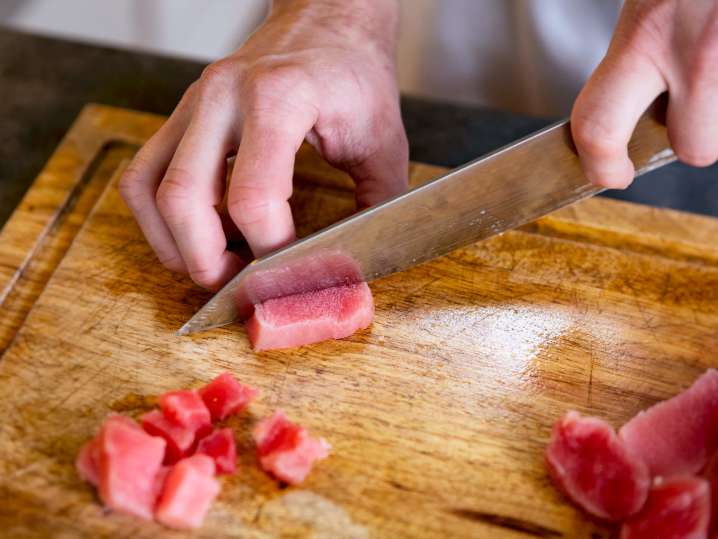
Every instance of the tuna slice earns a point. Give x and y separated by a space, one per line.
180 440
88 462
188 492
677 508
286 450
220 446
225 396
185 408
332 313
589 463
678 436
130 460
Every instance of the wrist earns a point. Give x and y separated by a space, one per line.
353 20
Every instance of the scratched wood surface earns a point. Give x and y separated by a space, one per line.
438 413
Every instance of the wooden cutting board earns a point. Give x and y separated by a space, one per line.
438 413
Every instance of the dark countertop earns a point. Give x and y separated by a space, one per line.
45 82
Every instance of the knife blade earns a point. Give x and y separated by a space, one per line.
508 188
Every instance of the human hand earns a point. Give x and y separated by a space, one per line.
320 70
658 45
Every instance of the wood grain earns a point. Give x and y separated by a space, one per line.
438 413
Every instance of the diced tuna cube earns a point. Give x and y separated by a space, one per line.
711 475
123 419
188 492
221 447
310 317
679 435
225 396
677 508
159 484
88 462
130 460
185 408
180 440
589 463
286 450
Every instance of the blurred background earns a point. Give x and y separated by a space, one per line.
186 28
526 56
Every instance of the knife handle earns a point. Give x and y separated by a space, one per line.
649 147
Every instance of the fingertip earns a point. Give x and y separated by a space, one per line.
369 194
173 262
213 277
264 220
611 174
697 160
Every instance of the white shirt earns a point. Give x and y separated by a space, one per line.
529 56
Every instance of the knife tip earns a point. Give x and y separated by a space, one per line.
184 330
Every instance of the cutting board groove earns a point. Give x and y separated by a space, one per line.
29 279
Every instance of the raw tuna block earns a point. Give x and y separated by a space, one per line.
88 462
225 396
678 436
129 462
180 440
185 408
286 450
188 492
677 508
332 313
221 447
589 463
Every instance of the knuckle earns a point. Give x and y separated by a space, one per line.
615 181
216 79
171 262
130 184
263 85
189 95
348 138
248 204
337 141
594 138
204 277
173 195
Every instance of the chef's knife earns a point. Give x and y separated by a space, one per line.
501 191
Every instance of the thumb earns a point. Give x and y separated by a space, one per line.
605 114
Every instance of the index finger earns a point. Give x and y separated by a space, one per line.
190 191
